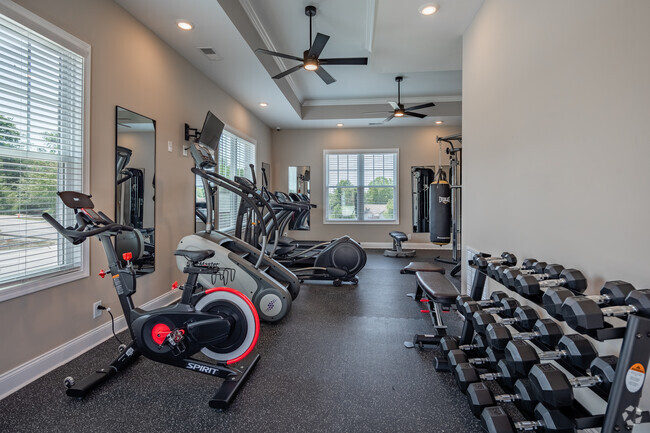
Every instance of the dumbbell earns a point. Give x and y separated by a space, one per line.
551 386
496 271
575 348
466 374
478 345
524 316
506 307
466 305
491 357
540 271
583 314
572 279
546 331
506 258
495 420
613 293
479 397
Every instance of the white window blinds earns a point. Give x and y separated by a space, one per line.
41 152
234 158
361 187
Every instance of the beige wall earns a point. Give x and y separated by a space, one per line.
417 146
132 68
555 128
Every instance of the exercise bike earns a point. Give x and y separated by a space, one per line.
221 323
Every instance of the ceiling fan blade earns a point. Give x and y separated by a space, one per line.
394 105
318 45
419 107
410 113
273 53
345 61
287 72
325 76
388 118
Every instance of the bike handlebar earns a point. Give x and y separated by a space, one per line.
77 236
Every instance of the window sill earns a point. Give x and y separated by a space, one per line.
356 222
46 282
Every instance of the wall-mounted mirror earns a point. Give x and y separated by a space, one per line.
135 187
300 190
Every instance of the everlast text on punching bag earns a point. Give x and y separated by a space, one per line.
440 210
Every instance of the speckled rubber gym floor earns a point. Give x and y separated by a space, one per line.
336 363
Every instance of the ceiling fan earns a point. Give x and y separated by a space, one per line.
310 60
398 108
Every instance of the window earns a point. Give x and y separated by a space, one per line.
361 186
42 110
234 159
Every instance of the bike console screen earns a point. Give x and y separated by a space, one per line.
93 216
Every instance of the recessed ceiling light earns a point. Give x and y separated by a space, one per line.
429 9
184 25
439 122
263 104
339 125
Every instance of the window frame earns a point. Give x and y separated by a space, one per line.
360 188
238 136
59 36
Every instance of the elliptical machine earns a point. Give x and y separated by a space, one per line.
219 322
268 284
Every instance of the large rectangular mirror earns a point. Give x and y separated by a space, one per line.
300 191
135 187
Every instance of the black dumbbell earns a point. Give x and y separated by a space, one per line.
583 314
546 331
497 271
506 258
490 358
575 348
495 420
479 397
540 271
572 279
465 374
478 345
612 293
524 316
467 306
551 386
505 307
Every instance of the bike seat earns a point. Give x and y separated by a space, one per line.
195 256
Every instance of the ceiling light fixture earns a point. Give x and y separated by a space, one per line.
399 113
184 25
439 122
339 125
263 104
429 9
311 64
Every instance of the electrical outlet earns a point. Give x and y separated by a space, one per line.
96 311
185 150
170 146
408 236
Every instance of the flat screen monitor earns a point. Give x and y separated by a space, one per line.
211 132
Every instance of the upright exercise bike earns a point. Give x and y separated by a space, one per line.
220 322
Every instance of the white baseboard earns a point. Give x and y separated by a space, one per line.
406 245
24 374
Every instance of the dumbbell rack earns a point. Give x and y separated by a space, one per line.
622 411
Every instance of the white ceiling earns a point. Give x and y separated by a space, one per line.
397 40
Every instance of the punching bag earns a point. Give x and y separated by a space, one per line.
440 210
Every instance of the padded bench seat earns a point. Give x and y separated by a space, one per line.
437 288
414 267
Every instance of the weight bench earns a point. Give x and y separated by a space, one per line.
439 294
414 267
397 251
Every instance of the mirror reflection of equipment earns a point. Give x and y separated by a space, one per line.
269 285
300 187
135 187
